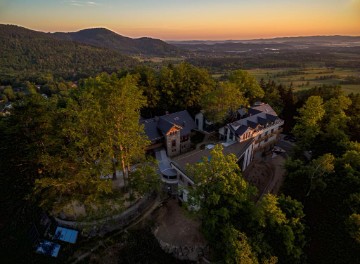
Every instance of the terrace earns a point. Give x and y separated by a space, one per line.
195 156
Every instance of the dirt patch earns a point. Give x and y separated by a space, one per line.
278 163
260 174
73 210
266 174
176 228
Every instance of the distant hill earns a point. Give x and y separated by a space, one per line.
27 53
101 37
314 40
262 46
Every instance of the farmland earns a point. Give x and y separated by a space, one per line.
305 78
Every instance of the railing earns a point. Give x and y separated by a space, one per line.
264 138
170 181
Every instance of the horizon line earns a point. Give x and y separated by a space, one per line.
193 40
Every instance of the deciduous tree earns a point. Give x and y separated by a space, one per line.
247 84
222 102
308 124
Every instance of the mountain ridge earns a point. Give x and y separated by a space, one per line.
103 37
28 52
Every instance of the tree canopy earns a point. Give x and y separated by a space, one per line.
77 137
261 232
310 116
222 102
247 84
328 182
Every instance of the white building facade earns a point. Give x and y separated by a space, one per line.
260 123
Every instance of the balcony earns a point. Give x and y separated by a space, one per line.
265 138
172 179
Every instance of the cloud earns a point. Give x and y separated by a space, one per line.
82 3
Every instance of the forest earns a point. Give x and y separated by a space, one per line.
64 123
34 56
49 135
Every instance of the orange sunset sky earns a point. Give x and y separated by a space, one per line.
189 19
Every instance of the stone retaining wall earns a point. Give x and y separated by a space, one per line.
184 252
108 224
193 253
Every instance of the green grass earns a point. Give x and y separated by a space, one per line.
159 59
305 78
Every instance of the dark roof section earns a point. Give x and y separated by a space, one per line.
252 111
252 124
272 118
254 118
151 130
241 130
182 119
262 121
156 128
265 108
164 126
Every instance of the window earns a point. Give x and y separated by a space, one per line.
173 143
184 138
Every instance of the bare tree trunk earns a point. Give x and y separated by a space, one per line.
123 166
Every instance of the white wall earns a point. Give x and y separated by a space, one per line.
248 157
199 120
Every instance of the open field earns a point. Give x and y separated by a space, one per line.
159 59
305 78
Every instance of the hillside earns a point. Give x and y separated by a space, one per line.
101 37
27 54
